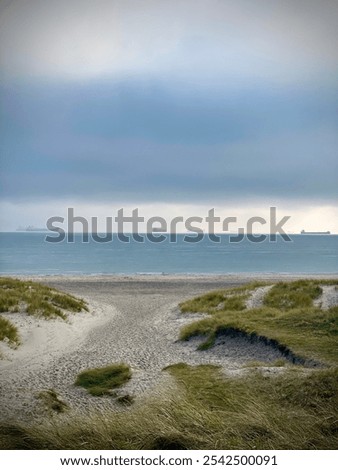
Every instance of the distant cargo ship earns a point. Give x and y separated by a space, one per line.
31 228
303 232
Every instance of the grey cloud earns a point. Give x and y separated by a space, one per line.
284 40
127 143
170 101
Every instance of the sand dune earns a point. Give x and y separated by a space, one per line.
132 319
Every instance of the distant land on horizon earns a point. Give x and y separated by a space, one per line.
32 228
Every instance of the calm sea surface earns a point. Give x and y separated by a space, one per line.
29 253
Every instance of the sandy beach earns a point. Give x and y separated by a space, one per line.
131 319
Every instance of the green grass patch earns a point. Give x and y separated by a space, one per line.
307 331
8 332
220 300
37 299
101 381
290 295
259 364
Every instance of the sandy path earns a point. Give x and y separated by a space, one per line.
256 298
328 299
133 320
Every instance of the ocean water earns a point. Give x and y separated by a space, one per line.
29 253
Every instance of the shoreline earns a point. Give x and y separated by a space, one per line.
173 276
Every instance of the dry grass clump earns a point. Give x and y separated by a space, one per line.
294 410
102 380
32 298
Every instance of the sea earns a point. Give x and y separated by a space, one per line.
28 253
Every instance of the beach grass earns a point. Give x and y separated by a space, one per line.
220 300
290 295
36 299
306 332
8 332
52 402
102 380
296 409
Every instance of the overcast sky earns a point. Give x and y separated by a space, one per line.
173 105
